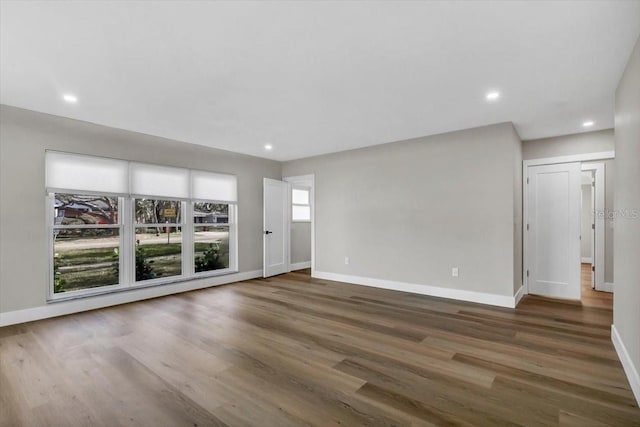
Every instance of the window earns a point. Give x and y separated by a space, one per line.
86 242
300 207
158 235
211 236
116 224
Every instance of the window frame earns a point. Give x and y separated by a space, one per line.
308 204
233 252
132 256
50 229
127 226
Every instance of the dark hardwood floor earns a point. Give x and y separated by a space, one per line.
295 351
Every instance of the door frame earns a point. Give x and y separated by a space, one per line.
305 181
587 157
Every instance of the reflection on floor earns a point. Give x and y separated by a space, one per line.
591 297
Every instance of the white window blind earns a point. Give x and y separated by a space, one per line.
214 186
301 213
299 196
300 207
98 175
85 173
161 181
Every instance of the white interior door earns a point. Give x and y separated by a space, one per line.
276 227
554 204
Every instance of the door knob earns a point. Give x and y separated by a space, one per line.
268 232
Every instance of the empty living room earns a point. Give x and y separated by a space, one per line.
319 213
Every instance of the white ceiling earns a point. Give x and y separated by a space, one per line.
317 77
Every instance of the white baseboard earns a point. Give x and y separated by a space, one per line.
61 308
518 296
587 260
605 287
434 291
299 265
629 368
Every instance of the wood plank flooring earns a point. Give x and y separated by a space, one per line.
591 297
292 350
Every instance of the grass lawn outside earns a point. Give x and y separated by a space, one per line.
98 266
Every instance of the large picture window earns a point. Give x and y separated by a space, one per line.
116 224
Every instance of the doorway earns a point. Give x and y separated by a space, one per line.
564 225
289 225
593 205
302 253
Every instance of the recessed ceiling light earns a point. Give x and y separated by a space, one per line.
588 123
71 99
492 96
268 147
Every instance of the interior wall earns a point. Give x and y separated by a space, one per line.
566 145
518 239
300 242
583 143
24 137
609 199
410 211
626 294
586 222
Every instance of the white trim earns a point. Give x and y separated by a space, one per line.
91 303
627 364
299 265
606 287
434 291
518 296
587 157
586 260
604 155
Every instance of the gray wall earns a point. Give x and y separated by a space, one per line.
586 221
517 213
626 297
579 143
300 242
412 210
582 143
24 137
609 198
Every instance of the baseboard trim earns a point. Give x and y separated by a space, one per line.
627 364
587 260
518 296
606 287
434 291
62 308
299 265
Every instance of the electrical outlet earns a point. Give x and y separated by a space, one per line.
454 272
346 260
